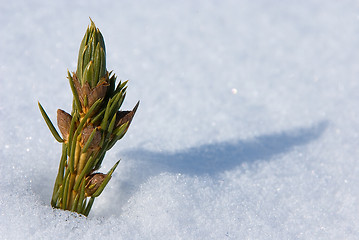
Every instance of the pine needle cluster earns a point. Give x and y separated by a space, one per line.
93 127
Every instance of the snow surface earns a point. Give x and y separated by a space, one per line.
247 128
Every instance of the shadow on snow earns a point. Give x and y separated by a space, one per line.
209 159
218 157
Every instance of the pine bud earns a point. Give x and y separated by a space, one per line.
93 183
125 116
91 64
63 122
92 137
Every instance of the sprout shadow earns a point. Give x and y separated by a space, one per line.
218 157
206 160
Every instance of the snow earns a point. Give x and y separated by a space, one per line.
247 127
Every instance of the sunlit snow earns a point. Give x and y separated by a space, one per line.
248 126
